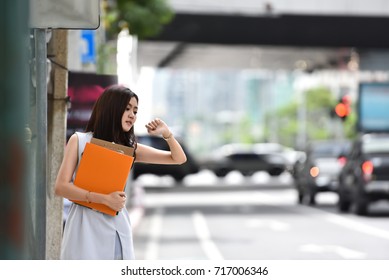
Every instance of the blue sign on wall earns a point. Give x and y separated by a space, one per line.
88 54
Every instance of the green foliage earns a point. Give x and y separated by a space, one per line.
145 18
320 97
106 54
286 124
245 131
319 123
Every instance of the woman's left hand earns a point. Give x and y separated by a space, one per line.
158 127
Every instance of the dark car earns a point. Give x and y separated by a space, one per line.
365 176
177 171
318 170
245 159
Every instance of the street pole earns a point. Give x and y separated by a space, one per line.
56 126
301 113
39 251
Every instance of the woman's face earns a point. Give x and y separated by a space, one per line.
129 115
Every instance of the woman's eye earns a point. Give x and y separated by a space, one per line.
135 112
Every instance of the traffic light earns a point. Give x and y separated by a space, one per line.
343 107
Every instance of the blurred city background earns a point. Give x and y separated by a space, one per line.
281 107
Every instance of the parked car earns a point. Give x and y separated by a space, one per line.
365 177
177 171
317 171
245 159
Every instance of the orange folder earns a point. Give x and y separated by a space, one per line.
102 170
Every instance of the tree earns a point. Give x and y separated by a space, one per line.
145 18
319 102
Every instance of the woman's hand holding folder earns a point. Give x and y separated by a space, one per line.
116 200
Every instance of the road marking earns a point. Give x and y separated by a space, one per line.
267 223
217 199
204 235
357 226
344 252
337 219
154 235
281 199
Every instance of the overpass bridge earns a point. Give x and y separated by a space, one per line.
319 23
268 33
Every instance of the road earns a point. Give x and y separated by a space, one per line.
246 221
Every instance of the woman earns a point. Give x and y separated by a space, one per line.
89 234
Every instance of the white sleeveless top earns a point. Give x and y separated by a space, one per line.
91 235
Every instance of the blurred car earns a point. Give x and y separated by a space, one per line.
317 171
365 176
288 153
177 171
245 159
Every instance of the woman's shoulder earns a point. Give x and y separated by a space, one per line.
73 141
82 134
73 137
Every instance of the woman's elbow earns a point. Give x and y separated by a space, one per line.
179 160
58 189
183 160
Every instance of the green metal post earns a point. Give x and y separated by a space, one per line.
14 96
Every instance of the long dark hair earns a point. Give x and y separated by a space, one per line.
106 120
